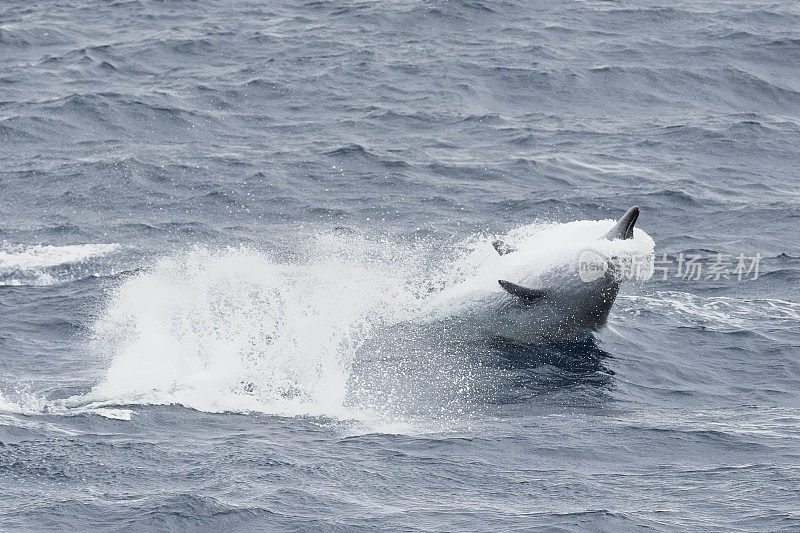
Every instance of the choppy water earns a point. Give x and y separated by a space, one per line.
220 218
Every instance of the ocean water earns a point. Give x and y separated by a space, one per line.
220 222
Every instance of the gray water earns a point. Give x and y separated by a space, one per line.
219 220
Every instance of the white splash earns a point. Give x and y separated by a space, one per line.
24 403
540 247
38 264
235 330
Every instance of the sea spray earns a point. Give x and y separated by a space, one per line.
234 330
237 329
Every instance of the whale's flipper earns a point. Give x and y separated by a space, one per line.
502 248
529 295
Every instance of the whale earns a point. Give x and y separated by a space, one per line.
545 291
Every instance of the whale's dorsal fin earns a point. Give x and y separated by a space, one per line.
529 295
502 248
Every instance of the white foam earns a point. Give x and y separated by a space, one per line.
233 330
718 313
25 403
543 247
35 264
539 247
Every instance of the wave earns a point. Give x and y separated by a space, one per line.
751 421
21 35
22 264
717 313
25 403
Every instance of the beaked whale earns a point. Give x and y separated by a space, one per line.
517 297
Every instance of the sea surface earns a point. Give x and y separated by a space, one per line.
220 219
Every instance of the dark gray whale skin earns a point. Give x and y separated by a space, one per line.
562 308
565 307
